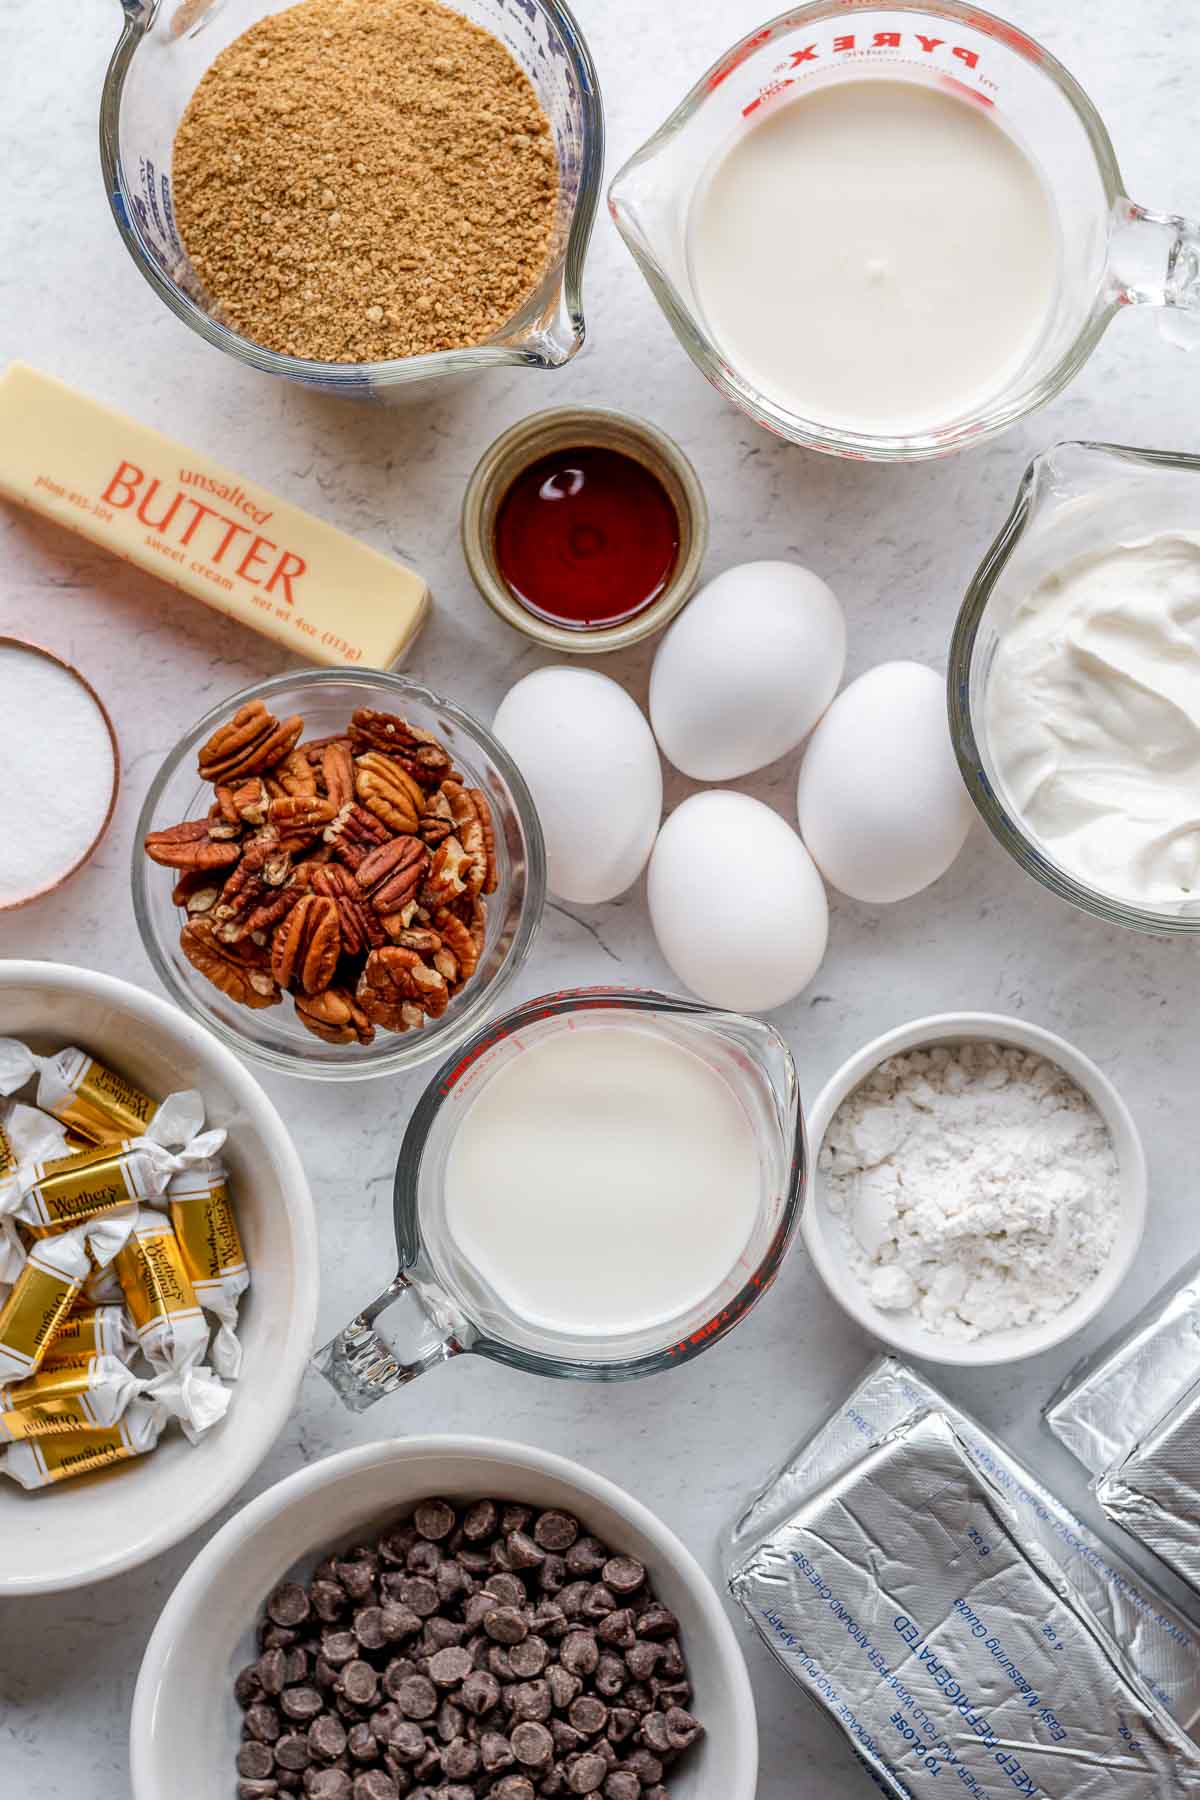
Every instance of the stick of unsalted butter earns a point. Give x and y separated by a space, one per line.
214 535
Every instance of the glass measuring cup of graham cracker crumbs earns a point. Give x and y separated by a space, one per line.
449 1296
166 46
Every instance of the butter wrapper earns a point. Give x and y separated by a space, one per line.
1109 1401
1159 1643
1154 1493
949 1648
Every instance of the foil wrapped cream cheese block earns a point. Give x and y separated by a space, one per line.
1155 1492
904 1597
1112 1399
217 536
1159 1644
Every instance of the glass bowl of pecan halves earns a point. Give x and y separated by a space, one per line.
338 872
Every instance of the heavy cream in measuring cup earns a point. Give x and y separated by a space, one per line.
877 256
603 1181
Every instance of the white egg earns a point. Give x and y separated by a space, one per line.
746 670
737 906
592 766
881 803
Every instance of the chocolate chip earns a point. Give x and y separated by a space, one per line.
618 1629
423 1559
532 1744
610 1676
452 1581
408 1741
255 1760
301 1703
434 1519
451 1721
272 1671
589 1715
555 1530
580 1653
586 1775
642 1660
552 1576
523 1552
247 1687
672 1664
328 1784
682 1728
506 1589
622 1784
528 1658
439 1634
263 1722
292 1752
645 1766
567 1741
257 1790
395 1545
358 1579
563 1686
657 1622
623 1574
419 1594
295 1666
572 1597
587 1556
374 1784
505 1625
416 1697
329 1600
359 1683
480 1692
327 1737
338 1647
495 1752
531 1700
498 1662
324 1673
450 1667
621 1724
599 1603
460 1759
288 1605
513 1787
480 1520
368 1627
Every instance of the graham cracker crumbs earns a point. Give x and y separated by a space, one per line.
356 180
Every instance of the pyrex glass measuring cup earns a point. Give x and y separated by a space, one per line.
164 49
449 1307
1112 253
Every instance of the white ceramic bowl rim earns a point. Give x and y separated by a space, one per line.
258 1514
946 1028
273 1403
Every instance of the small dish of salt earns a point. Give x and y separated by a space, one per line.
59 771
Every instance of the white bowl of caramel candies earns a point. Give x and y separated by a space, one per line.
75 1531
444 1528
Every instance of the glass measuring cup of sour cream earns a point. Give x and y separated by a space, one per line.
890 231
598 1186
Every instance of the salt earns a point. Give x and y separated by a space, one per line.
57 772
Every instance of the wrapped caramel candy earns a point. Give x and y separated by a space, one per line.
92 1331
41 1462
170 1326
27 1135
206 1229
47 1197
94 1101
46 1288
89 1393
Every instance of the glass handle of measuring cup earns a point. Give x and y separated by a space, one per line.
1154 260
363 1362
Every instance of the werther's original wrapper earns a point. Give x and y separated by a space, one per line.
89 1394
12 1254
102 1288
27 1135
45 1290
170 1326
92 1331
41 1462
206 1228
48 1197
194 1396
95 1102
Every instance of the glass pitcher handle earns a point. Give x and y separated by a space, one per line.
1154 260
362 1363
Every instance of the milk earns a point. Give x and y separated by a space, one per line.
878 256
603 1181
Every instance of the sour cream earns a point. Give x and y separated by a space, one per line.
1093 718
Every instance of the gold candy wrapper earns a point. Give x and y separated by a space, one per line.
41 1462
205 1225
46 1289
88 1393
167 1318
50 1196
92 1331
95 1102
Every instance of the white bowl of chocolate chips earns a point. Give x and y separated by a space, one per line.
443 1618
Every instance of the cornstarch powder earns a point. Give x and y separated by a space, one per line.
976 1186
56 759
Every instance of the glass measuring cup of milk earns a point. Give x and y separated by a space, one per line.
1098 252
605 1306
165 48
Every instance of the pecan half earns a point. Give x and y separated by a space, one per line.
249 800
306 946
234 968
474 830
437 821
334 1016
449 875
458 939
391 875
337 772
388 791
252 741
362 928
354 833
299 817
196 890
396 979
296 775
189 846
426 759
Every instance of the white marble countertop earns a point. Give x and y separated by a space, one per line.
897 545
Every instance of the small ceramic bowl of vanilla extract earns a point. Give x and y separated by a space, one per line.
585 529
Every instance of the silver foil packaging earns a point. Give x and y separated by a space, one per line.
1155 1491
1111 1400
950 1649
1158 1643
